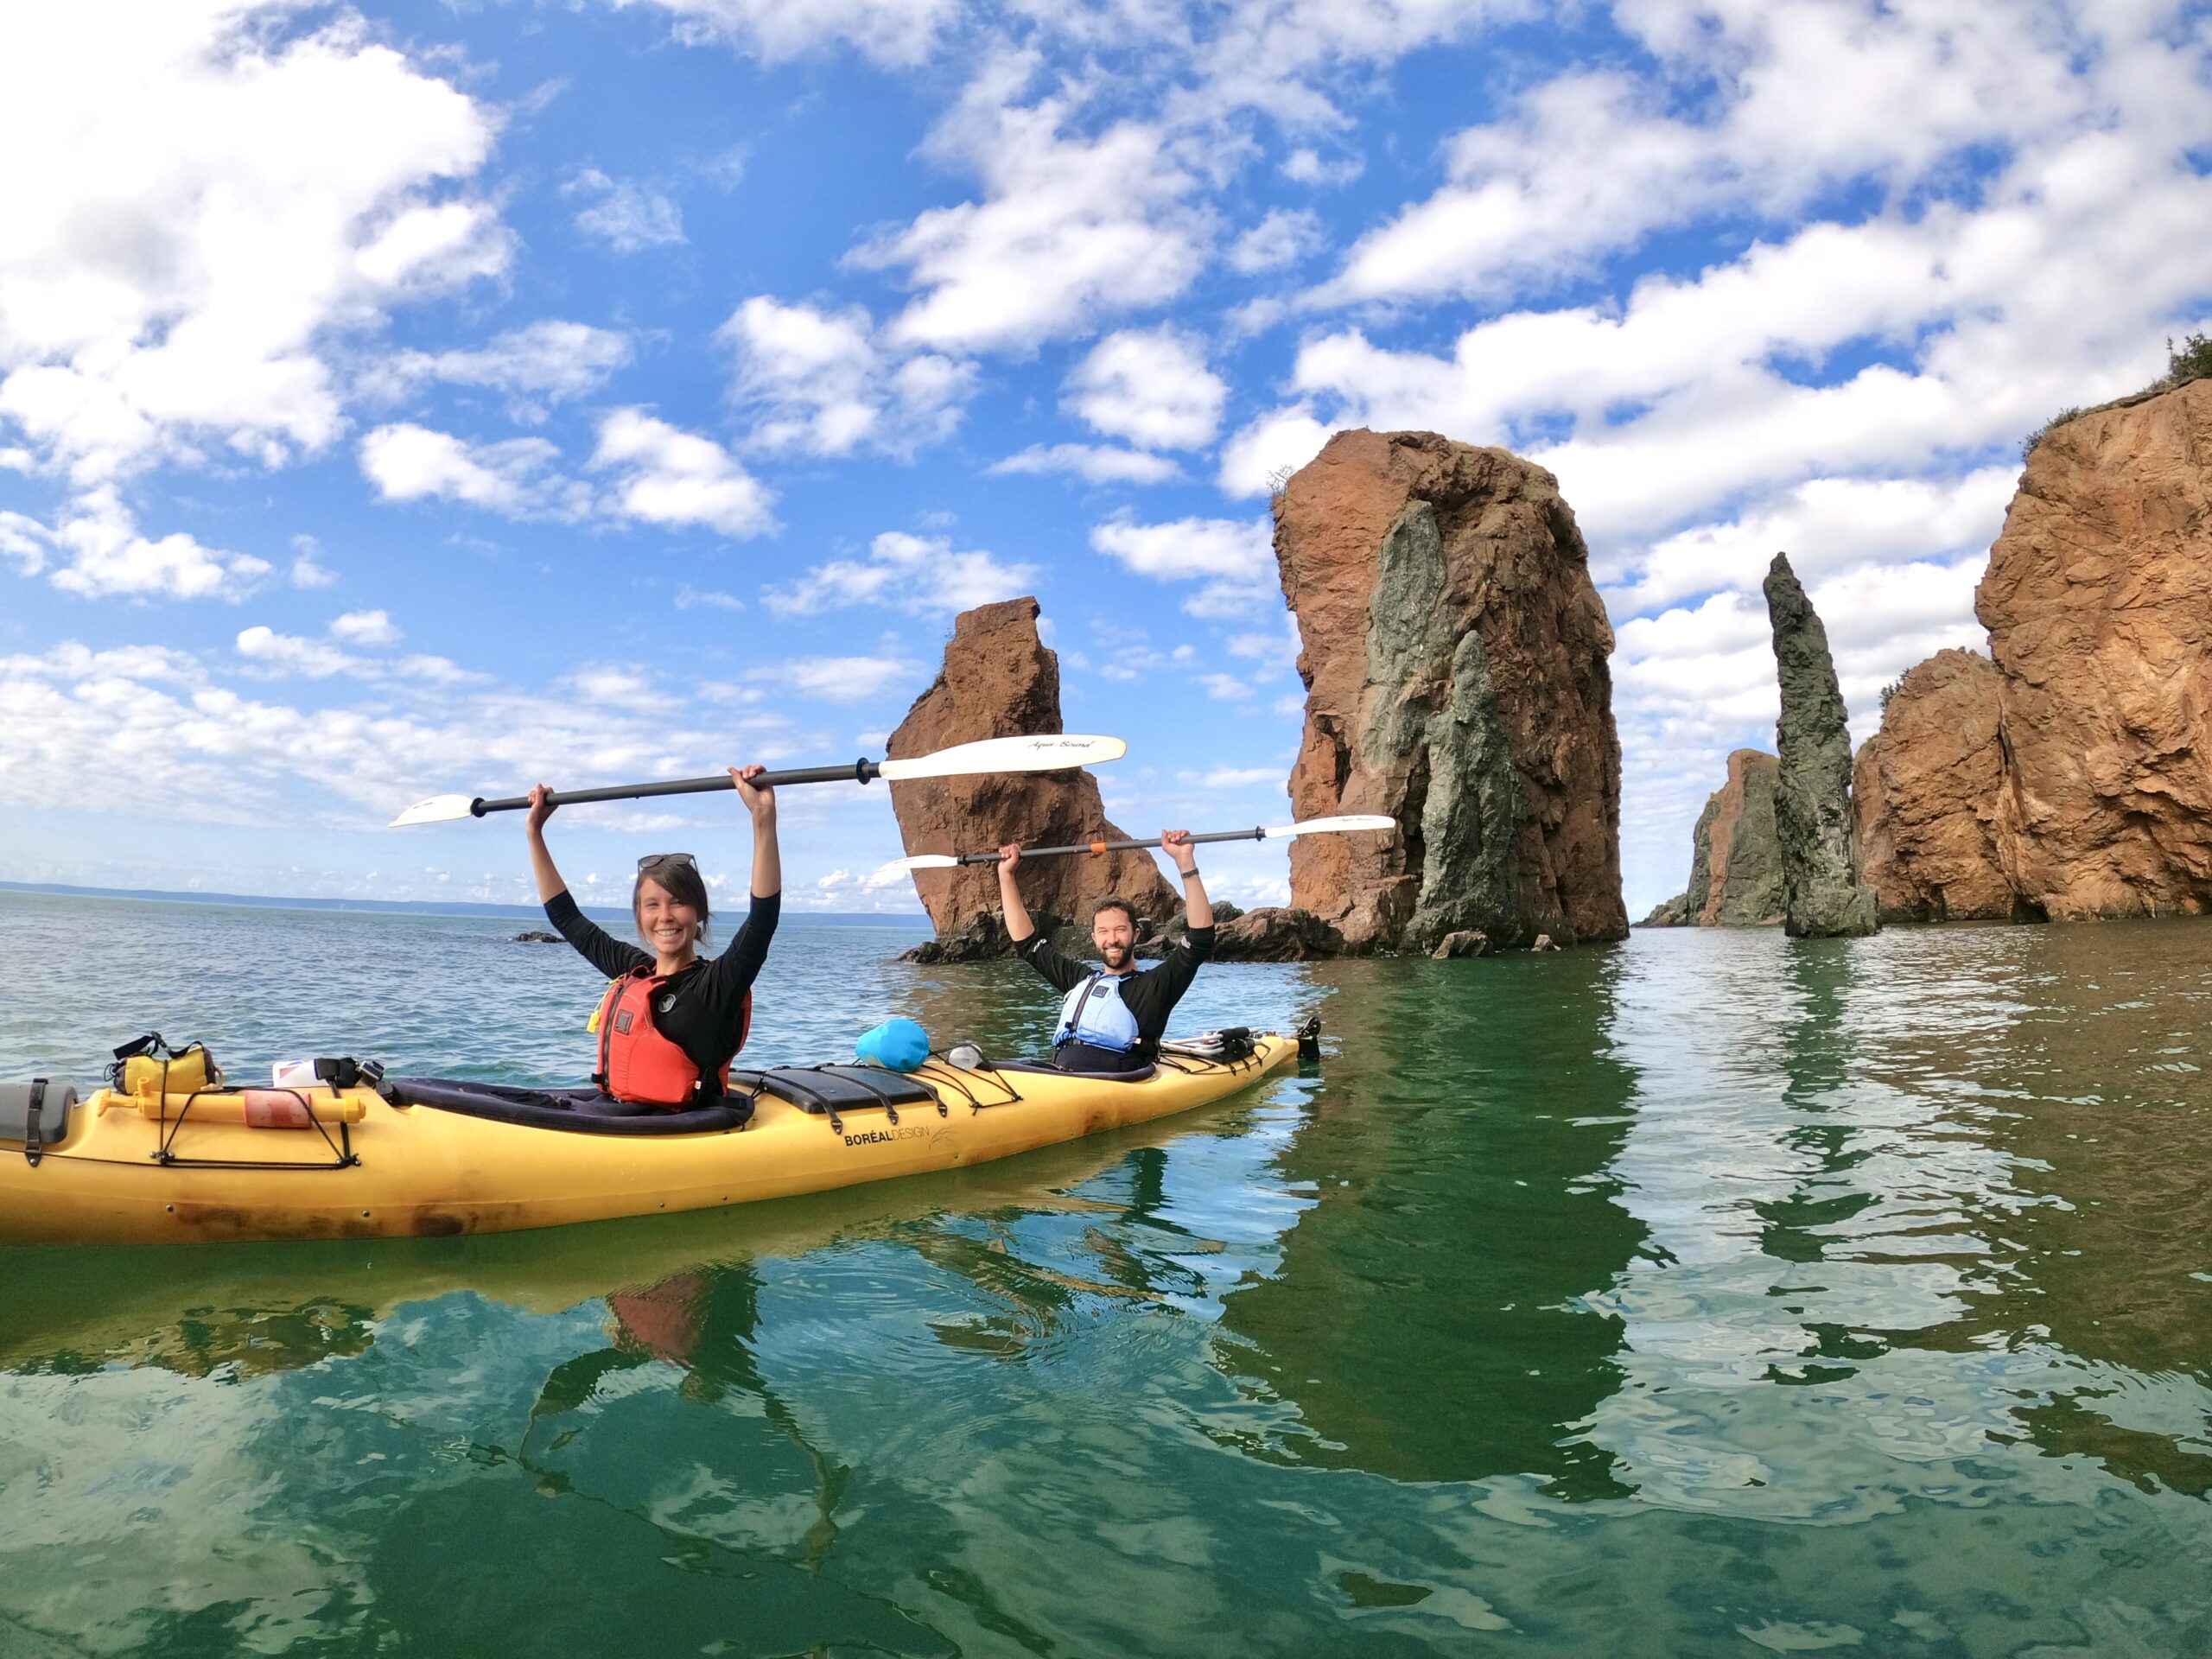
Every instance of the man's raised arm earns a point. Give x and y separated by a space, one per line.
1197 909
1019 927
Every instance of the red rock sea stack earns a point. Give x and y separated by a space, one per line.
1927 789
1455 663
999 680
2098 600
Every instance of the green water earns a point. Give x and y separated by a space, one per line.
1711 1295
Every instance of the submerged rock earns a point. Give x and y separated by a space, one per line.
1000 681
536 937
1926 791
1467 942
1277 933
1455 663
1735 853
1823 895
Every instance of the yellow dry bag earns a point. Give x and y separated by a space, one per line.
150 1066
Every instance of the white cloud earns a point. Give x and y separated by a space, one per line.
1270 449
229 757
1306 166
308 568
543 363
1233 557
922 574
272 655
1283 238
625 214
366 628
173 267
894 32
1150 386
825 383
1824 524
1070 227
101 553
1094 463
288 655
1277 650
407 462
1238 777
1227 687
690 598
664 475
838 679
24 540
1798 96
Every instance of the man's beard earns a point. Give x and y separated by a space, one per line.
1114 955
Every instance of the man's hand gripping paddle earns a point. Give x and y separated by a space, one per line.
1274 832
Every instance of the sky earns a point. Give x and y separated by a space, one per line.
425 397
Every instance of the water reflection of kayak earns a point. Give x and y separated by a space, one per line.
438 1160
251 1308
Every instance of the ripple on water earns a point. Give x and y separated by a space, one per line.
1713 1294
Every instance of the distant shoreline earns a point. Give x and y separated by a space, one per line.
917 923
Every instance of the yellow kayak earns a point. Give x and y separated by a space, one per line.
332 1162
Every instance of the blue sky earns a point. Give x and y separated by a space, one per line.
425 397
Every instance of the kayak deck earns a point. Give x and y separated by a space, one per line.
370 1169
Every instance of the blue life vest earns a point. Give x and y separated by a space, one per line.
1094 1013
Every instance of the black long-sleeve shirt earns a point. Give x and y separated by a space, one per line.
701 1010
1150 995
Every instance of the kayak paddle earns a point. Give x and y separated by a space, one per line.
1046 752
1272 832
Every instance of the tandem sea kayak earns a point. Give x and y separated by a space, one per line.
427 1158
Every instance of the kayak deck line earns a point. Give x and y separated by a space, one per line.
423 1170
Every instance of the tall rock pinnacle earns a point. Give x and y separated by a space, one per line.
1454 659
1823 895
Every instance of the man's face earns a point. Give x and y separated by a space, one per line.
1114 935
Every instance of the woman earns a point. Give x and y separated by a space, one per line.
671 1020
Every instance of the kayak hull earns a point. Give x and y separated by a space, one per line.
420 1172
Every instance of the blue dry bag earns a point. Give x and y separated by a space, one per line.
898 1044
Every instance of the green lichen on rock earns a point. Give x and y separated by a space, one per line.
1823 895
1461 852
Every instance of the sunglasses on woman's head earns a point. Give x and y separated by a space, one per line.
653 861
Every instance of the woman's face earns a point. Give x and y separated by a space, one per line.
670 927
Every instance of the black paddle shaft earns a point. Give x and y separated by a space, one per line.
860 772
1114 846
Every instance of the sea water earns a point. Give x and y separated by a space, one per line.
1714 1293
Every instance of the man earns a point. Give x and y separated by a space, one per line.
1112 1019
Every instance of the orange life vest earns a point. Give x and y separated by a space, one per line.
636 1062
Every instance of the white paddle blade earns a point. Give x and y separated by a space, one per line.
1047 752
439 809
922 862
1333 826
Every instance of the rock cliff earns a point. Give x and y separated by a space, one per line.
1735 856
2097 600
1926 790
1000 681
1455 666
2067 776
1823 895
